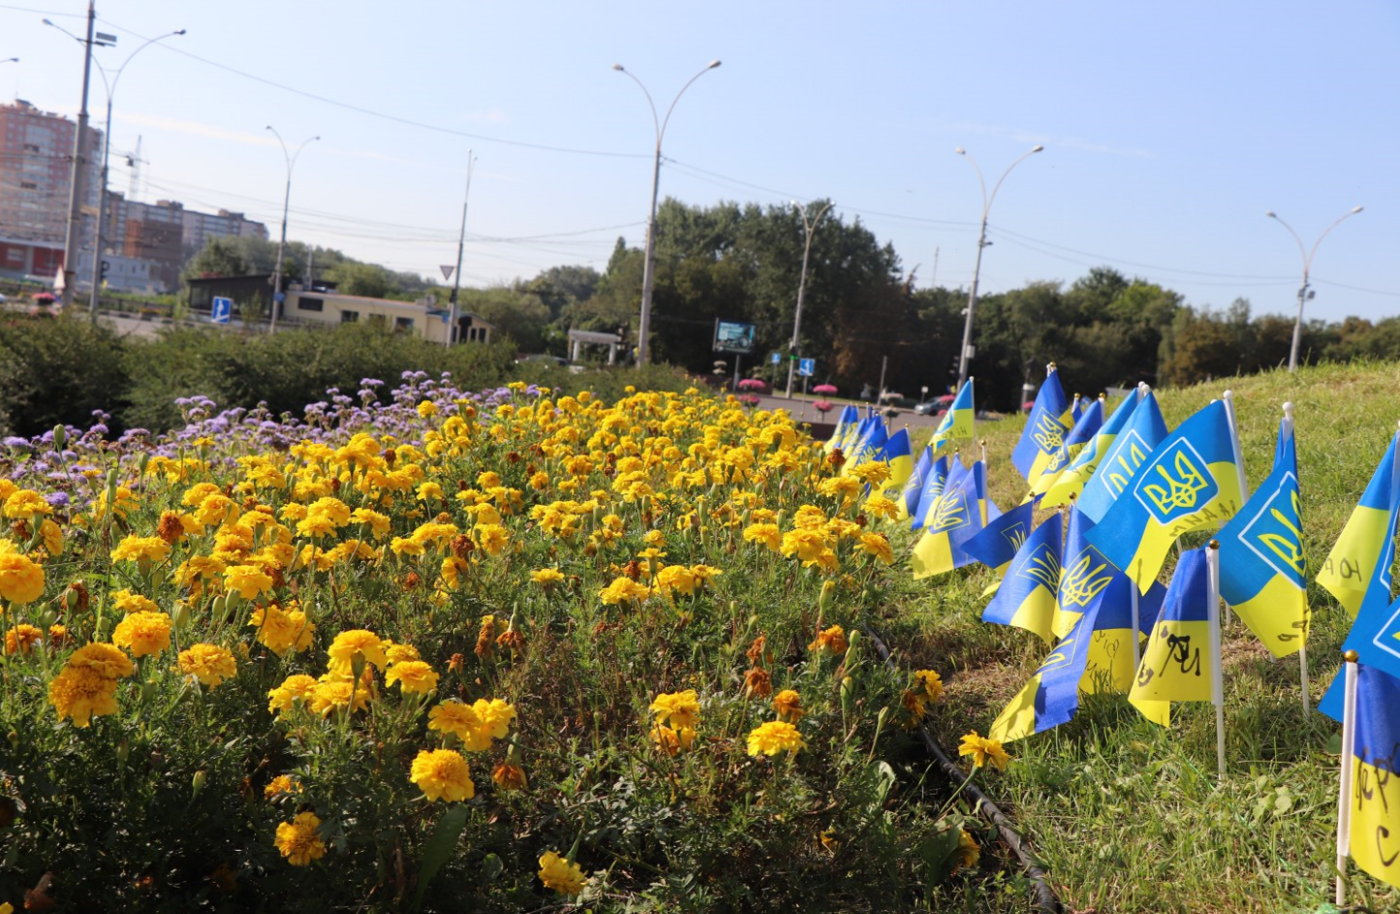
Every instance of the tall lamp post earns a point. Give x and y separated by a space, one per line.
111 88
1303 293
982 242
286 203
811 227
461 244
648 266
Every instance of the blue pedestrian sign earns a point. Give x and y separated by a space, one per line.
806 367
222 310
775 358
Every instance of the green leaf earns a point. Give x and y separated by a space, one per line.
439 848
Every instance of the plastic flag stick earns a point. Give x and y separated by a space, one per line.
1348 765
1217 685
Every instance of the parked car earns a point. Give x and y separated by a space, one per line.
928 408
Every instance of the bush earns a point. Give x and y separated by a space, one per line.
58 370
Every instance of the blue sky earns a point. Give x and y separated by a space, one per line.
1170 129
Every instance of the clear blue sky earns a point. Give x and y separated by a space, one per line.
1170 129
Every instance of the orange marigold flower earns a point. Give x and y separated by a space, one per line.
788 704
757 683
831 640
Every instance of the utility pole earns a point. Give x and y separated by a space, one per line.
461 244
76 189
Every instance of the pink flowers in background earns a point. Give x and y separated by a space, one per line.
825 389
754 384
749 400
824 406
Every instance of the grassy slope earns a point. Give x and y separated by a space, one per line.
1127 815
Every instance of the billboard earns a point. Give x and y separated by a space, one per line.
733 336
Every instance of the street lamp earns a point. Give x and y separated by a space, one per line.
648 267
286 202
1303 293
982 242
10 60
111 88
802 286
461 244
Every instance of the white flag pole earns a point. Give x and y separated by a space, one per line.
1348 767
1229 398
1217 684
1137 621
1287 429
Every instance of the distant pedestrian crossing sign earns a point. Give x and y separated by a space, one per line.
806 367
222 310
775 358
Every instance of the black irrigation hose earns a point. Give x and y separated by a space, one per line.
1045 899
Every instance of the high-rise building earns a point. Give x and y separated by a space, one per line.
36 162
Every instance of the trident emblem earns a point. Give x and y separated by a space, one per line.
1168 494
1084 580
1049 433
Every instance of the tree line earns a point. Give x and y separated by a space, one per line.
741 262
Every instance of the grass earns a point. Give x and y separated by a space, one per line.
1129 816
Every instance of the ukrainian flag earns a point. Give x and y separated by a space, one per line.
1177 664
955 517
1351 564
1375 635
957 421
1051 697
1076 409
908 501
1003 537
1084 432
850 418
1071 480
897 453
870 446
1045 428
935 480
1121 459
1375 755
1189 482
1262 571
1026 598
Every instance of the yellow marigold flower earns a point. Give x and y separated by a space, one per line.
491 537
216 509
282 699
765 534
547 577
623 589
280 785
443 774
540 481
680 709
427 408
281 630
52 536
299 840
561 875
22 638
334 692
208 663
983 750
429 491
773 737
81 693
495 715
880 506
21 579
143 633
105 659
25 503
807 545
675 578
931 683
704 572
877 545
832 640
129 602
508 776
378 523
914 702
248 580
148 549
399 653
462 721
413 677
788 704
968 851
809 517
488 479
356 641
670 740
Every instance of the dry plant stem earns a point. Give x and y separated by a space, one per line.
1045 899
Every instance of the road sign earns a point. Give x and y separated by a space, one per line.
776 358
447 269
806 368
221 311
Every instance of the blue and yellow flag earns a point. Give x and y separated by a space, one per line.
1375 805
1262 573
1026 598
1076 410
897 455
957 421
1189 482
1072 479
1045 431
1085 431
1003 537
935 481
1051 697
870 447
1351 564
955 517
1121 458
908 501
849 419
1176 666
